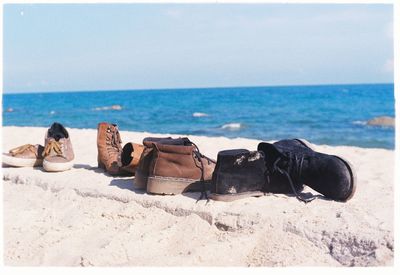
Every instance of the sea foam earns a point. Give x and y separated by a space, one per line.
359 122
232 126
199 114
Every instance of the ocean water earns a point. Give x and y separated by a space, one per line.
326 114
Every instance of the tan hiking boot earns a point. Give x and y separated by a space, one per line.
175 169
109 148
58 153
27 155
130 157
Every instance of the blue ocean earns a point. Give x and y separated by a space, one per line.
326 114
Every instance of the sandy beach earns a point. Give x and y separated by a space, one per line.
84 217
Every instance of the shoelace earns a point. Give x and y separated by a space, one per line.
23 148
200 156
113 140
53 146
294 167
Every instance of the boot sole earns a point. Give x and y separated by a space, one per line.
233 197
171 185
348 165
21 162
57 166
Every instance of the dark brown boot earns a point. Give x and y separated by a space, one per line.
142 170
109 148
175 169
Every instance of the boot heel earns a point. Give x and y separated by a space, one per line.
140 181
101 165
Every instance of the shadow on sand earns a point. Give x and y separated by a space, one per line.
126 184
309 195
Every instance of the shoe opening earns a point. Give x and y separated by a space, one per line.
270 152
169 141
126 155
57 131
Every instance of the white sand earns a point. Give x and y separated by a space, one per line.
85 217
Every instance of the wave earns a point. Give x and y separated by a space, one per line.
359 122
104 108
232 126
199 114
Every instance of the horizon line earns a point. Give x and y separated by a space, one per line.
192 88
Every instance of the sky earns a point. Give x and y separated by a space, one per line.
81 47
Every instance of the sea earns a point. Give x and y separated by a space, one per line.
322 114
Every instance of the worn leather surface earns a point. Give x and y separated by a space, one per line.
144 163
108 152
175 158
147 154
238 171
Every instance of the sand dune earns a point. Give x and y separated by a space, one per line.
85 217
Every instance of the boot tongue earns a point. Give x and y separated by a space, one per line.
58 136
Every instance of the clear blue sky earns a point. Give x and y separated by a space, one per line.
134 46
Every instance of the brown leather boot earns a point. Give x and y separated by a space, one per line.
175 169
142 170
130 156
109 148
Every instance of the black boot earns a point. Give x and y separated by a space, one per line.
238 174
292 163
